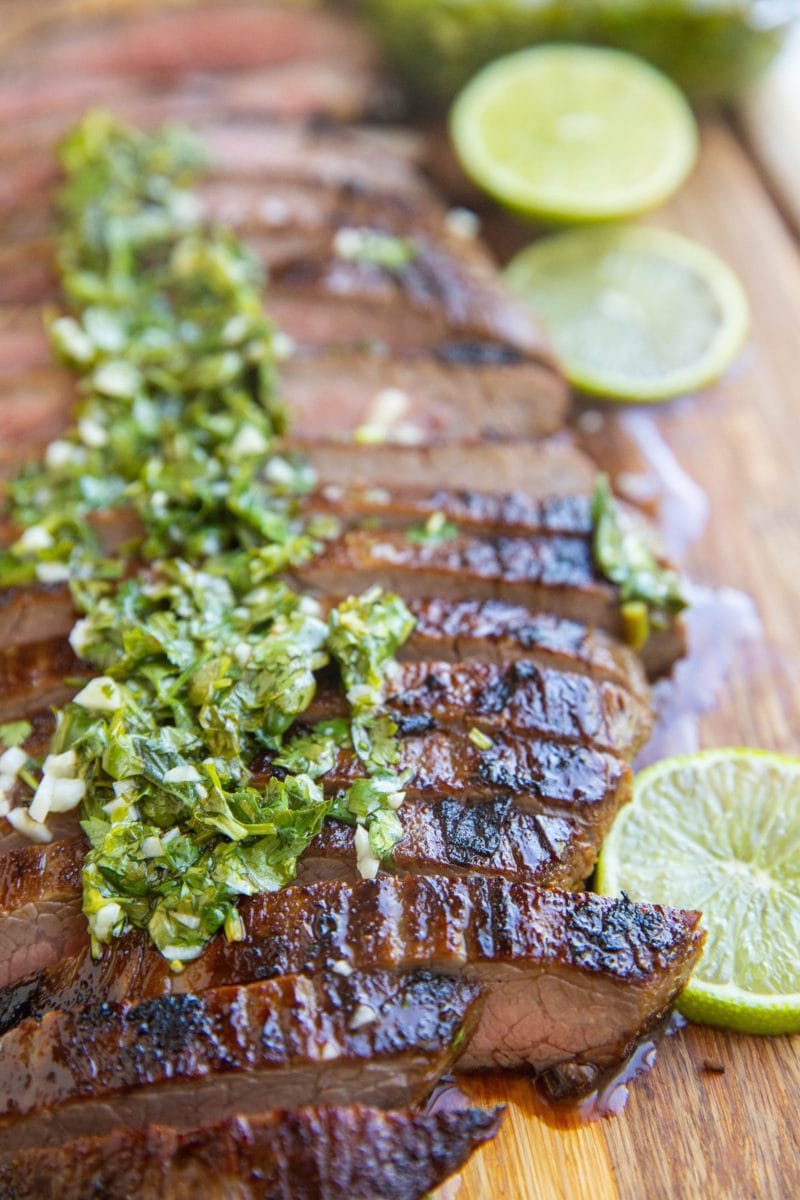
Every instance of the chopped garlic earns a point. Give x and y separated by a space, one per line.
329 1051
55 794
7 783
188 920
4 805
387 406
61 766
279 471
283 346
105 919
102 694
249 440
52 572
22 822
92 433
62 453
342 967
463 223
36 537
152 848
79 637
363 1015
366 860
185 773
242 652
12 761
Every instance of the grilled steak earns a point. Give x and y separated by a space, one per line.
213 37
308 1154
41 922
541 572
383 1039
332 396
516 698
33 677
40 907
498 632
546 959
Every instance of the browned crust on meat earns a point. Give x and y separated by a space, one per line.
326 1039
305 1154
633 957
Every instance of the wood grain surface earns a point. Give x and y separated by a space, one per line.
690 1132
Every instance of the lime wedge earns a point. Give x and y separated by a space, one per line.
720 831
634 313
574 133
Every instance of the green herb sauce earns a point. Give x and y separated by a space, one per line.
649 592
206 658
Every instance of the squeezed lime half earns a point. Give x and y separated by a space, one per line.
720 831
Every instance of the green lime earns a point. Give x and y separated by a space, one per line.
574 133
720 831
634 312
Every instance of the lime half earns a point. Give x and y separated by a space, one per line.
634 313
720 831
574 133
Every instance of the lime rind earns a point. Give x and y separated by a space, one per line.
715 831
626 353
610 136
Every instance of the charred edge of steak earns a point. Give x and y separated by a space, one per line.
304 1154
405 923
385 1037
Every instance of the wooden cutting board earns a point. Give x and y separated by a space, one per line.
719 1116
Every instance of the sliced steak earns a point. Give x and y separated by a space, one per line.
305 1154
494 837
546 958
542 572
337 302
547 778
474 512
331 395
498 632
35 614
381 1038
519 698
34 676
41 921
213 37
546 467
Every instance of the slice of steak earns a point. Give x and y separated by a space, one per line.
575 783
41 921
305 1154
34 677
541 467
498 395
380 1038
488 513
519 697
35 614
498 632
545 957
494 837
433 297
212 37
542 572
331 397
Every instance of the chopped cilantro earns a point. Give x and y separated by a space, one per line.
204 658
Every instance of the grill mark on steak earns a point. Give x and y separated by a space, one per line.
541 572
42 923
304 1154
383 1039
546 958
